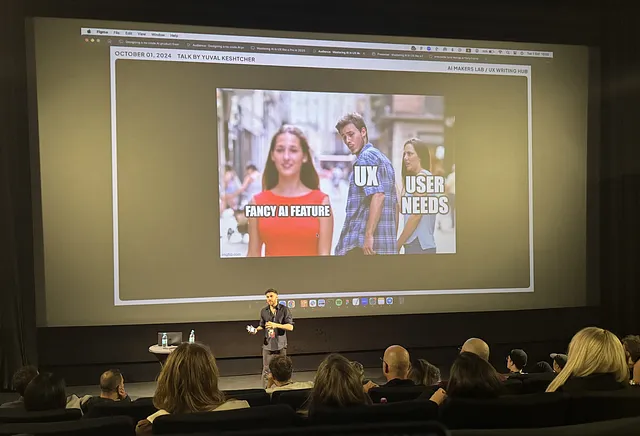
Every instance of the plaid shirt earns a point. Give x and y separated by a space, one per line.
357 210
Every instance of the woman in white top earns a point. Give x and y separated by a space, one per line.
188 383
417 237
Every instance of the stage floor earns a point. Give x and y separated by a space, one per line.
137 390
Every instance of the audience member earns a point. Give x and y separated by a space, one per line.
45 392
631 345
424 373
516 361
476 346
20 380
472 376
337 385
360 369
596 362
111 389
281 368
188 383
396 365
543 367
559 361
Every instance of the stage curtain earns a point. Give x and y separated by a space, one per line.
17 296
619 156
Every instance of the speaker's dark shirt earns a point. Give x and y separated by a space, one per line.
282 316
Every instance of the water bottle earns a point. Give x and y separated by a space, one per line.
165 340
192 337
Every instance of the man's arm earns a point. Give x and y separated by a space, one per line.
287 322
287 327
260 326
376 196
274 325
375 211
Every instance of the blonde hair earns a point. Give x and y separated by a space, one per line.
188 381
593 351
337 384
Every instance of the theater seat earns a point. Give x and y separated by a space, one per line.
274 416
618 427
21 415
512 386
515 411
111 426
602 406
137 410
296 399
532 383
403 393
423 428
537 383
418 410
255 397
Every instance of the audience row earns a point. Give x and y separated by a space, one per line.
189 381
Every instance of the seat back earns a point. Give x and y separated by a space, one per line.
279 415
422 428
602 406
617 427
296 399
10 415
400 393
513 411
537 383
512 386
255 397
391 412
115 425
136 410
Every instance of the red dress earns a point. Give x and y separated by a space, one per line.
289 236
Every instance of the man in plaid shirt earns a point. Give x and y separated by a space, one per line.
371 221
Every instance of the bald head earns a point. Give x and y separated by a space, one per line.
476 346
111 384
396 363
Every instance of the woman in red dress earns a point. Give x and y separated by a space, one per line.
290 178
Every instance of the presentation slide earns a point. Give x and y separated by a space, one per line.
308 190
168 158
